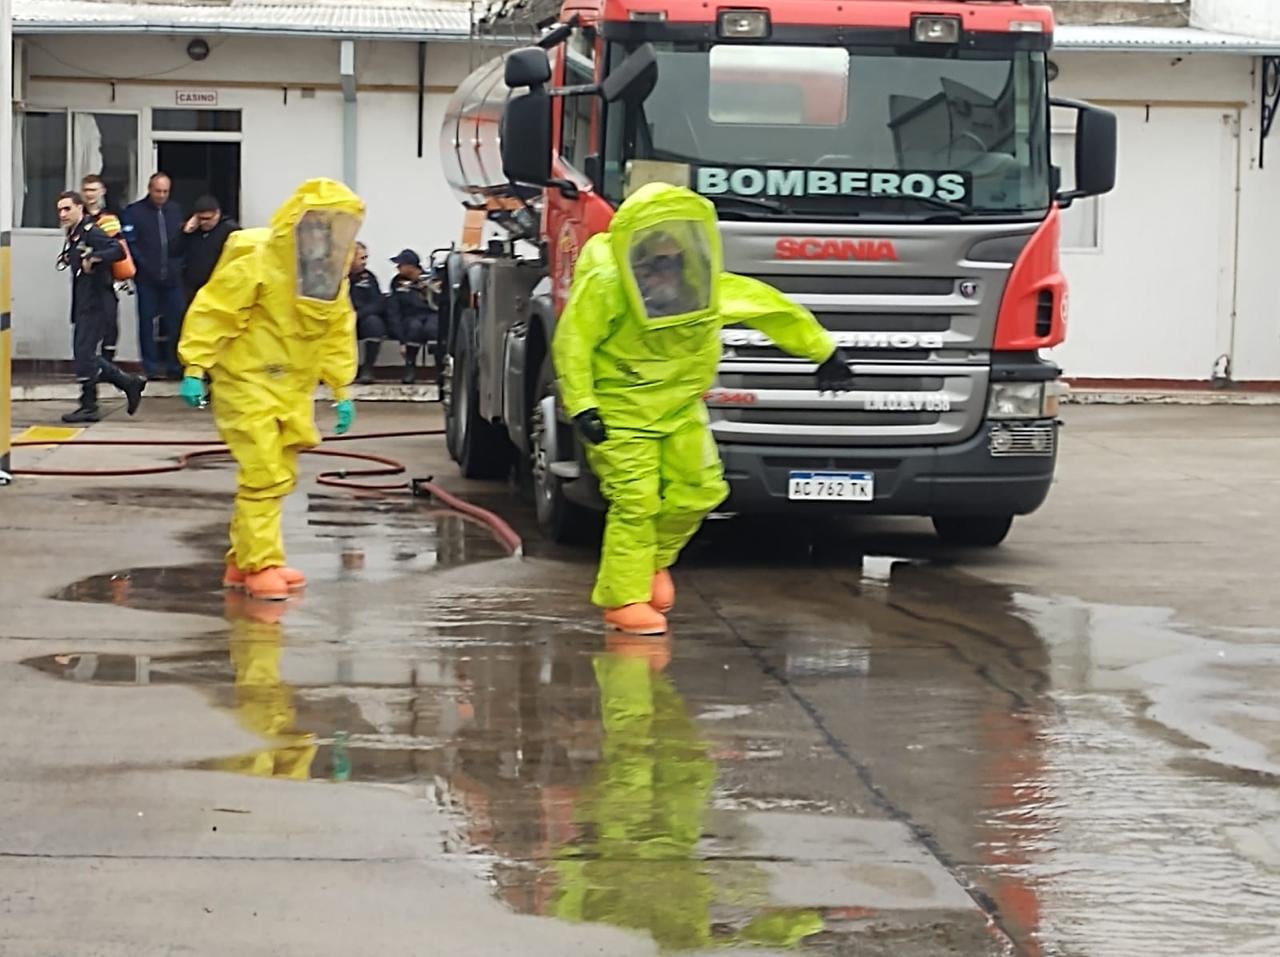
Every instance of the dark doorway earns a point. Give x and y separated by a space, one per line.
198 168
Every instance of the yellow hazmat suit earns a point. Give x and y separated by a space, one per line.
274 320
642 350
264 702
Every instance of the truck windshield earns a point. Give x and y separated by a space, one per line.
882 132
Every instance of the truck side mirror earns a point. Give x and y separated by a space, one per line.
529 67
635 78
526 138
1096 151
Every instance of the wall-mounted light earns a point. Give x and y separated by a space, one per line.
197 49
1051 70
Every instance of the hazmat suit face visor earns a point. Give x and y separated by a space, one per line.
671 268
325 242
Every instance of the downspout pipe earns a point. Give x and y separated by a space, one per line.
350 114
422 92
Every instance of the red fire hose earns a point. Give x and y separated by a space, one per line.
341 478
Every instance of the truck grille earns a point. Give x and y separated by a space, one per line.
828 285
917 328
833 417
806 380
858 355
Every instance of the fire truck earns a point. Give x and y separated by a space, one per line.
886 163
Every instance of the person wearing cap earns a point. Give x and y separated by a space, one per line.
203 237
412 313
635 350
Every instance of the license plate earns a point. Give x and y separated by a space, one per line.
831 487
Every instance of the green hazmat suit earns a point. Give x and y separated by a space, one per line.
639 340
273 320
637 866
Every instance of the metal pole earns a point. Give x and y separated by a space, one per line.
6 225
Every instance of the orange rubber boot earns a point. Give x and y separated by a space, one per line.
663 592
266 585
234 577
636 619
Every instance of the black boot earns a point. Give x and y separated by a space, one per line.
131 385
370 348
109 353
410 365
88 410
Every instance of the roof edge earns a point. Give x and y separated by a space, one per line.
187 29
1131 39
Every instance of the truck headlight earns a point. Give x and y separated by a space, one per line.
1018 400
936 29
744 24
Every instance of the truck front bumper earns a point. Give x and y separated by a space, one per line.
965 479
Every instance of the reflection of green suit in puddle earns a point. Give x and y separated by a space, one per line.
646 366
642 818
264 705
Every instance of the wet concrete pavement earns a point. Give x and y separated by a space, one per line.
437 748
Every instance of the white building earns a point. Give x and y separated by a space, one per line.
1171 274
241 98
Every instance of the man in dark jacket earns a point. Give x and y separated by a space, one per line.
371 313
411 310
152 227
200 244
88 255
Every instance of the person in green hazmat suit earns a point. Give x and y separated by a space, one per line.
273 321
641 817
635 350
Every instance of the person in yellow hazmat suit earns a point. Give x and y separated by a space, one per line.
273 321
263 701
641 817
635 350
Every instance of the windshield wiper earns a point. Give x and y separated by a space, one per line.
962 209
757 201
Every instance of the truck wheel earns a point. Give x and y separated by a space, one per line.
483 450
979 531
563 521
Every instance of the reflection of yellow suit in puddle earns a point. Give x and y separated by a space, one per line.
264 703
642 817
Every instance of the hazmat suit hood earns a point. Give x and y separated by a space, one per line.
311 246
667 248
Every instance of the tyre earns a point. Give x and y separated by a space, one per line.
978 531
563 521
483 450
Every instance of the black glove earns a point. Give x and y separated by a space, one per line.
590 426
834 374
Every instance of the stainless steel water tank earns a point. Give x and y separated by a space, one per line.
469 140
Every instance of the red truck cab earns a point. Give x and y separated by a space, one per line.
887 163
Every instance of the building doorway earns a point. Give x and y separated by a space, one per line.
199 149
198 167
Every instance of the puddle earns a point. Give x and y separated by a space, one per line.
881 758
388 544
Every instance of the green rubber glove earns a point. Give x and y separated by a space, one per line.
346 410
192 391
